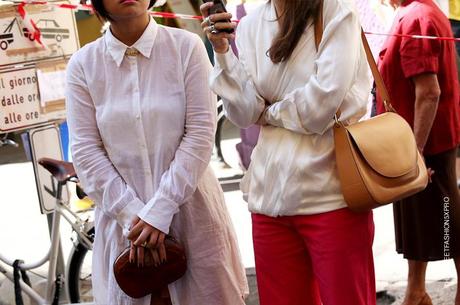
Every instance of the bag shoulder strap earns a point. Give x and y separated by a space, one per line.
380 84
381 88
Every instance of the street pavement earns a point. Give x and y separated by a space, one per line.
23 234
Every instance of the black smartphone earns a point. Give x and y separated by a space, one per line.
219 7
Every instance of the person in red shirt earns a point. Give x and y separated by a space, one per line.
421 76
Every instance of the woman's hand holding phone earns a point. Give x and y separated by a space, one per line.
217 27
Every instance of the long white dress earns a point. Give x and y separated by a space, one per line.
142 130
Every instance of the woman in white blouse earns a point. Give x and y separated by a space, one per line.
309 247
142 122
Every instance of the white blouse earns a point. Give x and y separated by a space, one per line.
142 130
293 169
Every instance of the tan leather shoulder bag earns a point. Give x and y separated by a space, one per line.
377 159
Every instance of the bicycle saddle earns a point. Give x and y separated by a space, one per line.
61 170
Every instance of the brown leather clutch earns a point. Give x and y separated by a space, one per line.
138 282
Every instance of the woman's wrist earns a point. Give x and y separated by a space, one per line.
221 49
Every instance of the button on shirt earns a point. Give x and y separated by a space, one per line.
293 167
142 130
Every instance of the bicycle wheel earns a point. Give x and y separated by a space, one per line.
79 286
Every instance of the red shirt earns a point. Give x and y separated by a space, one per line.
403 58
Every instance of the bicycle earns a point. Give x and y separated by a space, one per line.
77 278
77 283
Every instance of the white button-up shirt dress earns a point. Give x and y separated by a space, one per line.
142 130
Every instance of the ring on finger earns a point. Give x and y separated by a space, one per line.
208 21
144 244
213 29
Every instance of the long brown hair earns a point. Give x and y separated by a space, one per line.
294 20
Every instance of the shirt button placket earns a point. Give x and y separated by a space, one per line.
143 144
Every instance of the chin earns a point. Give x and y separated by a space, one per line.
129 12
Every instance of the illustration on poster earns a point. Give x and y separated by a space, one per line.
7 37
49 28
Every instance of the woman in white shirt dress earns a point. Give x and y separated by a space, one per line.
142 122
309 247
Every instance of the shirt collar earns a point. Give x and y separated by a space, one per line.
144 44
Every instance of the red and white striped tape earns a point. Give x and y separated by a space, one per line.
416 36
79 7
174 15
31 26
183 16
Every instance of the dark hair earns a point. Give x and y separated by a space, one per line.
294 21
98 6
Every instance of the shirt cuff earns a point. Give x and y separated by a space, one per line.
226 61
127 214
413 67
159 213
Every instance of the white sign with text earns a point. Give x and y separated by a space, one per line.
20 103
19 99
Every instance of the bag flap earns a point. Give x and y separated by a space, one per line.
387 143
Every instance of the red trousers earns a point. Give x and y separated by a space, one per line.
315 259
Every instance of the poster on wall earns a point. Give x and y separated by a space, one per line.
51 85
21 91
58 34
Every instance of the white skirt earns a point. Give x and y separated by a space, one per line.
215 274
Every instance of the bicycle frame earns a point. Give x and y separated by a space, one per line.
77 224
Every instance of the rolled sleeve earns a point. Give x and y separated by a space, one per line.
420 56
413 67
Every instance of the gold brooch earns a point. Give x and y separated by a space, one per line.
131 52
